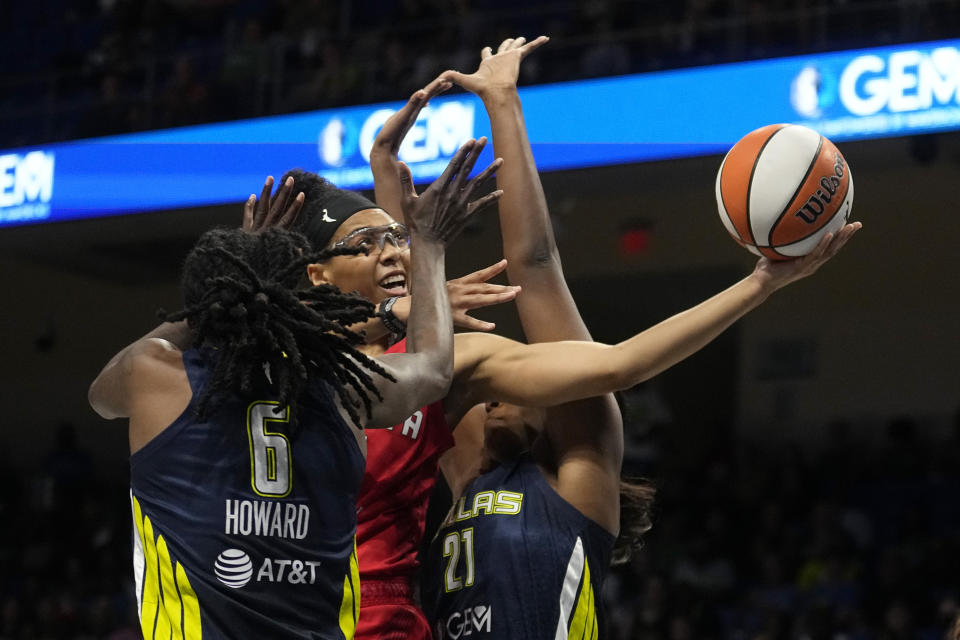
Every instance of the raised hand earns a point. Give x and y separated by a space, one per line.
441 211
384 161
281 211
466 294
774 275
472 291
497 71
393 131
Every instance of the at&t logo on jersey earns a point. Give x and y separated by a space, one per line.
466 623
26 185
234 568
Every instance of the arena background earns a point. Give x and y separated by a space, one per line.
808 461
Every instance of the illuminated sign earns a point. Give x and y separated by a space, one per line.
26 186
345 141
886 91
903 90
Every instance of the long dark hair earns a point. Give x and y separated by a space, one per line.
243 300
636 503
636 507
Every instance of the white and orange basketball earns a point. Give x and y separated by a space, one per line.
781 188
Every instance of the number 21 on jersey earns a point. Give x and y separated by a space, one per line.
455 545
271 462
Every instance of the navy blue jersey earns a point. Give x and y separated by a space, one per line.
513 560
244 526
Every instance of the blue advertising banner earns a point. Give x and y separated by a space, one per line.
849 95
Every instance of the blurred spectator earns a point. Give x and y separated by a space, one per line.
303 54
67 471
245 67
111 112
607 56
186 98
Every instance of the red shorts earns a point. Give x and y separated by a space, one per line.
388 612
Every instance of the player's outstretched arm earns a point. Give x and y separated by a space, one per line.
547 310
435 218
545 374
587 436
467 293
384 155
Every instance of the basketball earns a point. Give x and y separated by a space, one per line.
781 188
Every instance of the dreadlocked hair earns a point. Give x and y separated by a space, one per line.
241 298
636 502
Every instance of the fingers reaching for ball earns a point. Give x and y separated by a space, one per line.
776 274
781 188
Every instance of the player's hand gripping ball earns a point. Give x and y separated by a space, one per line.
781 188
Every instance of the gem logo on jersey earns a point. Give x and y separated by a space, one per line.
233 568
462 624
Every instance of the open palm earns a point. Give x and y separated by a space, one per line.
498 70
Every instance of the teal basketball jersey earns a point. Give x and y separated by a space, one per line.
515 561
244 526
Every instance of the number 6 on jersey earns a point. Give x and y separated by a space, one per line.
270 459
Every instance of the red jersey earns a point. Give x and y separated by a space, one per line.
402 464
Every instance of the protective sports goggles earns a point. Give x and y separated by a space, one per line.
372 239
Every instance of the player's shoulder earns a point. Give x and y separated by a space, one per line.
158 349
153 357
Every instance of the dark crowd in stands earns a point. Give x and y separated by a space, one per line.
83 68
855 539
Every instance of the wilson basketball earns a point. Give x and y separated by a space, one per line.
781 188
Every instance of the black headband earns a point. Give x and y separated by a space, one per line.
336 210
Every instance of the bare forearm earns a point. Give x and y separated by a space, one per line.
373 328
676 338
430 327
524 218
552 373
547 309
386 183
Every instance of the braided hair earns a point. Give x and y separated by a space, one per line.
242 300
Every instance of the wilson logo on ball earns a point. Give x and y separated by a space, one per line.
817 203
781 188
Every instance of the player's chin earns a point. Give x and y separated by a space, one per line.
392 292
504 443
